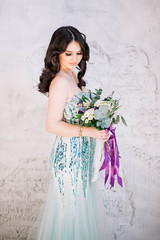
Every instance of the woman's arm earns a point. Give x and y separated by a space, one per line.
58 95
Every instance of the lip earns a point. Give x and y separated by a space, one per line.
73 64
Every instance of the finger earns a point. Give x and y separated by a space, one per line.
104 135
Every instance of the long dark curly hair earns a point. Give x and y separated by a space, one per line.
58 44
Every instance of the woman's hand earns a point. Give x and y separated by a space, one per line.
99 134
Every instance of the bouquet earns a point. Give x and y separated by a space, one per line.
102 114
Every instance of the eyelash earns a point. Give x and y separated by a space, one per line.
69 54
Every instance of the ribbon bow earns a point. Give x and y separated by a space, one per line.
111 153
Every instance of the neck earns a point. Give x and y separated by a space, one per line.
69 72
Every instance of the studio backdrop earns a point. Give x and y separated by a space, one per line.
124 37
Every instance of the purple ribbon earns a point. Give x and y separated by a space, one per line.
113 155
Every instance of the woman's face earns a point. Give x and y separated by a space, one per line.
71 57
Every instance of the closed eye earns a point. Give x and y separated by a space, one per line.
69 54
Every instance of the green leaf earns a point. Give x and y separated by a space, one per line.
113 120
123 121
79 114
117 119
111 115
84 98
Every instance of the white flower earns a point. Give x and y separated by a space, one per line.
90 117
86 114
90 111
86 121
83 118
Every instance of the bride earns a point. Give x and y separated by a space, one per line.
74 209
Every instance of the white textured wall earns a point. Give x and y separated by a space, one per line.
124 39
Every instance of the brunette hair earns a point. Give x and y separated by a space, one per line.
58 44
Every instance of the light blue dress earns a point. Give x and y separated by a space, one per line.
74 209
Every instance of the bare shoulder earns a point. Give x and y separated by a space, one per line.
59 80
59 83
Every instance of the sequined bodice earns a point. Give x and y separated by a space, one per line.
72 157
70 109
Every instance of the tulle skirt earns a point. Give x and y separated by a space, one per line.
65 219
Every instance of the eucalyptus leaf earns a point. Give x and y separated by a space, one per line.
104 123
117 119
102 112
114 120
123 121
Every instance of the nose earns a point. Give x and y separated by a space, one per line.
75 58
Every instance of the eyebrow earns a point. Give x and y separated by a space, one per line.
71 51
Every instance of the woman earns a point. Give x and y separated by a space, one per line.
73 210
